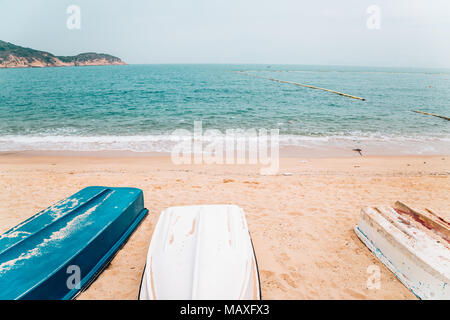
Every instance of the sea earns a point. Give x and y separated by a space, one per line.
138 107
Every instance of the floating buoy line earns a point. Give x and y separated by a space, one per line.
432 114
303 85
328 90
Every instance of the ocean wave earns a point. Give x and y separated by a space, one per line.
165 143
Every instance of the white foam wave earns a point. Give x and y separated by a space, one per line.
165 143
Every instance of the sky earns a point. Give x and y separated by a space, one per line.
411 33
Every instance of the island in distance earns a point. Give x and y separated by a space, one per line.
12 56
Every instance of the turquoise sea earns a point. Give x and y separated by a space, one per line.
137 107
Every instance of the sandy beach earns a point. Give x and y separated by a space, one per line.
301 224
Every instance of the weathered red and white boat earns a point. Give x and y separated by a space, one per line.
413 245
201 252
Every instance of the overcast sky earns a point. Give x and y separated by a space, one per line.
413 33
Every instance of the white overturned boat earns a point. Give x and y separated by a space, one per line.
413 245
201 252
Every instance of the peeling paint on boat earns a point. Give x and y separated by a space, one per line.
14 234
59 235
86 233
420 261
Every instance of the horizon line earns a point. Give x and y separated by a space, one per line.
284 64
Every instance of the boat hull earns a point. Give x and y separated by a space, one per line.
201 253
58 252
417 257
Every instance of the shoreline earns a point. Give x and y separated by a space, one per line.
288 145
285 152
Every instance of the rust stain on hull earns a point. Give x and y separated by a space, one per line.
193 228
429 220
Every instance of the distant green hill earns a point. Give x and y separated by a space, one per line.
12 56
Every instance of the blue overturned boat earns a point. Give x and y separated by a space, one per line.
58 252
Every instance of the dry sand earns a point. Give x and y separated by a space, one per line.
301 225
